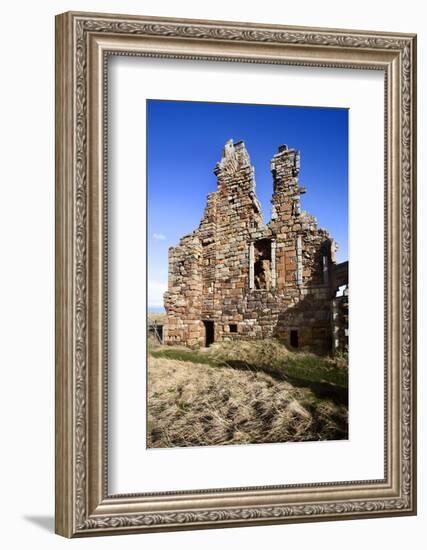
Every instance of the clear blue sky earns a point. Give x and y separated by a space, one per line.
185 141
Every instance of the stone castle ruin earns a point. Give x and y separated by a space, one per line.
236 277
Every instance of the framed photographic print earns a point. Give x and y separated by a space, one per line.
235 274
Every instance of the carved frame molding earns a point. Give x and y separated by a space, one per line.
83 43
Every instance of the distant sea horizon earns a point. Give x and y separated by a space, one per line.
156 309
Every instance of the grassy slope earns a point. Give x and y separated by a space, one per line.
243 393
154 316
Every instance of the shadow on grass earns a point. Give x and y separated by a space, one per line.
323 390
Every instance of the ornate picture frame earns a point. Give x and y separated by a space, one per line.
84 42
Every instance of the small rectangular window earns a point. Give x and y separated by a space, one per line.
233 328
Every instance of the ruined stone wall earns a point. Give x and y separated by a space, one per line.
252 280
340 306
238 212
183 300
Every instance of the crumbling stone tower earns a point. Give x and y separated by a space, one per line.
236 277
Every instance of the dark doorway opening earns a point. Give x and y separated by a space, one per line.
294 338
233 328
209 333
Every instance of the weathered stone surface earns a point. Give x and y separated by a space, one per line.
276 279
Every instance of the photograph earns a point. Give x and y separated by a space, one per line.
235 270
248 289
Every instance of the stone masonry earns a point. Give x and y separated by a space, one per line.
237 277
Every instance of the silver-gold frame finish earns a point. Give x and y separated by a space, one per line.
83 43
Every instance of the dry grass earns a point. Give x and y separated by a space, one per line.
156 316
195 404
